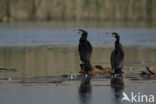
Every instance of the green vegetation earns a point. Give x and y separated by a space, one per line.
77 9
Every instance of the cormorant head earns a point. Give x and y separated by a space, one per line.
116 35
83 33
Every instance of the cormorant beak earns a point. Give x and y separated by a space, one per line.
79 32
111 34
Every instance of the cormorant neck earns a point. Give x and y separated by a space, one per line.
83 37
117 39
118 45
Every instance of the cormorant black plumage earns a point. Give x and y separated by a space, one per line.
117 56
85 49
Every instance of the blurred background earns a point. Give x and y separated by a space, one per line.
46 10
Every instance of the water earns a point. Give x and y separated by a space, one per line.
98 37
40 64
97 92
60 33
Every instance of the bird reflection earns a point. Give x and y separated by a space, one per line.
85 91
117 84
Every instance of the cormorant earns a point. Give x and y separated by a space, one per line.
85 50
117 56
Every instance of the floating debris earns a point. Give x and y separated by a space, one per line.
151 69
131 69
71 77
150 72
9 79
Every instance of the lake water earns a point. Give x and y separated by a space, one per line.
39 63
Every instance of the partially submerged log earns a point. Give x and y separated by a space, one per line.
96 70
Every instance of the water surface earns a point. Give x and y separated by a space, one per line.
98 37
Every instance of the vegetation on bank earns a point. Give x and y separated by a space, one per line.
77 9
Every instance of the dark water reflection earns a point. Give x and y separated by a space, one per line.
85 91
117 85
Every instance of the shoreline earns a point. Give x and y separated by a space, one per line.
70 46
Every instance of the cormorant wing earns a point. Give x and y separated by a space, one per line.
85 50
117 59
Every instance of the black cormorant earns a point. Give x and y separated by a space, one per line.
85 50
117 56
